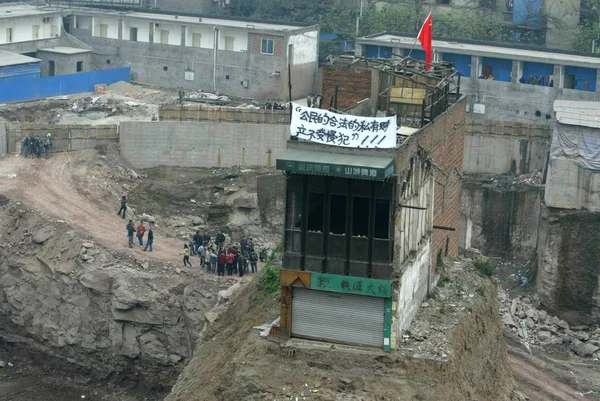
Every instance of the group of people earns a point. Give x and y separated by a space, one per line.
33 145
218 257
541 81
140 232
215 256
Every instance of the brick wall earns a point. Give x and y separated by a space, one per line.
255 43
444 140
201 112
354 85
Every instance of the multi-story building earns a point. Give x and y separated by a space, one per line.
240 57
515 83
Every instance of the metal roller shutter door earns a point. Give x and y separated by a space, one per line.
345 318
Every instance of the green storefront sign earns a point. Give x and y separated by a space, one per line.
351 285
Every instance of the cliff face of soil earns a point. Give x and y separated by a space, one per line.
232 362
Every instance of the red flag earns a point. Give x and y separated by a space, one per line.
425 39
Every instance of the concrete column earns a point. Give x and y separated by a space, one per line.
475 67
358 50
597 80
120 29
183 35
92 24
559 76
398 51
517 71
151 32
438 57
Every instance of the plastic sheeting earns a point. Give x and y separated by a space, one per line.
578 144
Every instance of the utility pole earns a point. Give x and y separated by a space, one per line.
359 17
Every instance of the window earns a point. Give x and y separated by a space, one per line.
267 46
35 32
9 37
196 40
337 214
316 211
133 34
79 66
103 30
229 43
164 37
360 217
382 218
50 68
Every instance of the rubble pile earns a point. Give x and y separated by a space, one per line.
536 327
510 180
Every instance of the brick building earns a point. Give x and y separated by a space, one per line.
361 251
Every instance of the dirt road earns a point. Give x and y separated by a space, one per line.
49 187
542 378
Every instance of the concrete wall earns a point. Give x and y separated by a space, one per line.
492 147
413 287
64 63
500 222
569 265
569 186
187 144
515 102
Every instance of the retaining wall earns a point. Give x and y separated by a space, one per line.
202 112
201 144
65 138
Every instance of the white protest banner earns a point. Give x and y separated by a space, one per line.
322 126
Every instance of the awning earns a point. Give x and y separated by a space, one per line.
314 162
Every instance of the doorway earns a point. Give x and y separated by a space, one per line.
50 68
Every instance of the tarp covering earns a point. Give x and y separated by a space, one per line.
578 144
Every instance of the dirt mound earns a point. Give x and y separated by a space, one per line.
124 87
233 362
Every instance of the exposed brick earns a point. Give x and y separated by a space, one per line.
354 85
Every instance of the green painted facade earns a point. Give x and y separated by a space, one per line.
337 170
351 285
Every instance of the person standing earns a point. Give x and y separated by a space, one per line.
130 231
206 237
32 149
220 240
250 245
123 206
186 256
213 260
47 145
203 249
221 260
241 258
141 230
150 240
25 144
243 244
230 260
38 147
197 241
254 261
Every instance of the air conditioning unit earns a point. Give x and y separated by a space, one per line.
157 25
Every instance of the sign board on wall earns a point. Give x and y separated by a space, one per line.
325 127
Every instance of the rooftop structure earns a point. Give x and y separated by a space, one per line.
9 58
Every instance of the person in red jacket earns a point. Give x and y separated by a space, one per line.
230 260
222 260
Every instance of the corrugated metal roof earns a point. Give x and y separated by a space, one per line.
10 58
585 114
